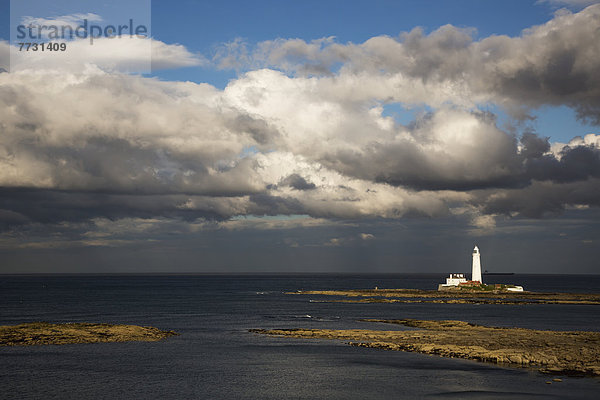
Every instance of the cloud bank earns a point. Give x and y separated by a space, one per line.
304 131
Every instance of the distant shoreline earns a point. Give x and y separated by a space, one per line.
498 273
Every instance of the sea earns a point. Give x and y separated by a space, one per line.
216 357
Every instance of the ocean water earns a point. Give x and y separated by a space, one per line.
215 357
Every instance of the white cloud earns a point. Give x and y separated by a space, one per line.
69 20
554 63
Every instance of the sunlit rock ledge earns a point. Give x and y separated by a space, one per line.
452 296
557 352
44 333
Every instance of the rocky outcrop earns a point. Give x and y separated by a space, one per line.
42 333
458 296
467 301
549 351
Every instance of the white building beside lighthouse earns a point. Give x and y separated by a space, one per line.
476 269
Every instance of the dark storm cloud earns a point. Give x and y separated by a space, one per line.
533 145
10 218
297 182
20 206
256 128
556 64
118 166
576 164
481 156
540 198
275 205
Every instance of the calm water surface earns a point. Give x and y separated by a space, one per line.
215 356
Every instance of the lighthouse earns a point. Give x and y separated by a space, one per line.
476 271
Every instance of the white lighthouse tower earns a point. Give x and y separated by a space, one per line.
476 271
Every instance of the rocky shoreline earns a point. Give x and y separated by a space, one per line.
453 297
44 333
554 352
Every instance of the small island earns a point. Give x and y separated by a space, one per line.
457 281
460 295
554 352
44 333
458 289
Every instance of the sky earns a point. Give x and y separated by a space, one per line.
269 136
